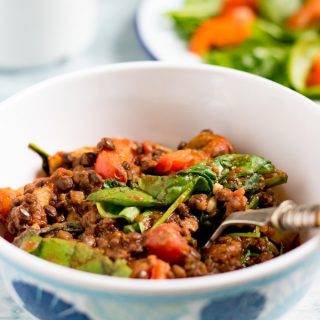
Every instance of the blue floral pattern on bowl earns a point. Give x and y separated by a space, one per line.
245 306
46 305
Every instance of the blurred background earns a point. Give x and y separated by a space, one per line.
113 40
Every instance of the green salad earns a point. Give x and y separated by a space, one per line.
275 39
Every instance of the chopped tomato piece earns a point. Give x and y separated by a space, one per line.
179 160
314 75
231 4
167 243
308 14
231 28
109 163
7 195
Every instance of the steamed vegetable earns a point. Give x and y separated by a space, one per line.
71 253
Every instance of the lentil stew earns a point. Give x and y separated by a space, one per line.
143 210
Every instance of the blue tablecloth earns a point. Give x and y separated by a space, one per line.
115 42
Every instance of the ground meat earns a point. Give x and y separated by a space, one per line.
260 248
232 200
188 225
183 210
198 202
225 255
193 266
267 199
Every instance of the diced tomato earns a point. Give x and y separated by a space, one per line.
308 14
109 163
231 4
314 75
159 269
179 160
7 195
167 243
230 29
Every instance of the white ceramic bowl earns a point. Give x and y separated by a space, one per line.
166 103
38 32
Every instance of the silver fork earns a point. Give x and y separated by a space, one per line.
288 216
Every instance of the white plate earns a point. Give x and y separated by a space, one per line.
156 32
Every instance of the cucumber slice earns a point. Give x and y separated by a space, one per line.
301 59
278 10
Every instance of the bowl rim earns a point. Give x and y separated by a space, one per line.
103 283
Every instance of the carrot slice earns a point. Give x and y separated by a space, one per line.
314 75
306 15
159 269
229 29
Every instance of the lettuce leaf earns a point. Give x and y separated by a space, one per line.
187 19
266 60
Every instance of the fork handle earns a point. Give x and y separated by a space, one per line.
292 217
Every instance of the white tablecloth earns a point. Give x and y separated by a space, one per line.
115 42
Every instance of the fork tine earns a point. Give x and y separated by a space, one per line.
260 217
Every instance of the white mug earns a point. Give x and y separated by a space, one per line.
38 32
